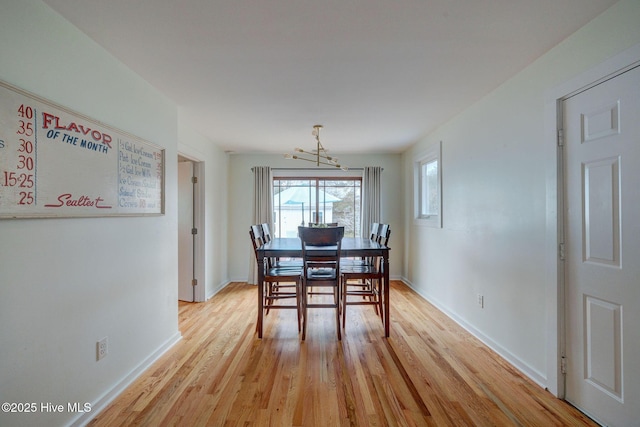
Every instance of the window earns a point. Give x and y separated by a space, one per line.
298 201
428 187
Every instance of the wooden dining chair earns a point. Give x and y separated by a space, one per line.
295 263
375 229
373 235
279 283
383 234
361 282
266 232
321 250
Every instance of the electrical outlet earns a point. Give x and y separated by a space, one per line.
481 300
102 348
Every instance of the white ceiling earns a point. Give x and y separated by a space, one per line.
378 74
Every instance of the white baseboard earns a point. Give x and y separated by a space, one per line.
103 401
533 374
218 289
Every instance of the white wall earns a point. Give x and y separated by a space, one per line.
241 199
215 194
498 197
66 283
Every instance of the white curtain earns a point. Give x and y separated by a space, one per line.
371 188
262 208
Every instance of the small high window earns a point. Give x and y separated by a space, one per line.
428 187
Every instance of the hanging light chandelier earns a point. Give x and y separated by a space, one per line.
319 156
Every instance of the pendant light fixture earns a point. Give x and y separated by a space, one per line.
319 156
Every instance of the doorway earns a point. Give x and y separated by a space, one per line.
186 249
191 286
601 169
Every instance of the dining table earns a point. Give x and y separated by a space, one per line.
352 247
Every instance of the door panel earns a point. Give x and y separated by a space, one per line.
601 243
603 349
602 283
185 237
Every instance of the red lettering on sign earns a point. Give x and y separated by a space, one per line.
98 136
82 201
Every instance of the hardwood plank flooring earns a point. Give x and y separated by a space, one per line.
429 372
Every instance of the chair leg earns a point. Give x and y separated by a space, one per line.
380 300
379 296
338 307
304 311
344 302
267 294
298 306
337 298
373 287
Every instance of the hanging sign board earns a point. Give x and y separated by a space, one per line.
58 163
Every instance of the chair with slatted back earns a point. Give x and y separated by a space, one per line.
375 230
266 232
279 283
373 235
383 234
321 250
295 263
361 282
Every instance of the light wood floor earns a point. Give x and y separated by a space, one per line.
429 372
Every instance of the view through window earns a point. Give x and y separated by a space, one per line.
428 187
429 194
316 200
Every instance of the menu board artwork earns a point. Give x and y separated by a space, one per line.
57 163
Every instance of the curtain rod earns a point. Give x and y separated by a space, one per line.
310 169
314 169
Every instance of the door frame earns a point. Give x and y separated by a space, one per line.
199 223
555 221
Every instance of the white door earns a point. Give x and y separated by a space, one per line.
602 196
185 236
